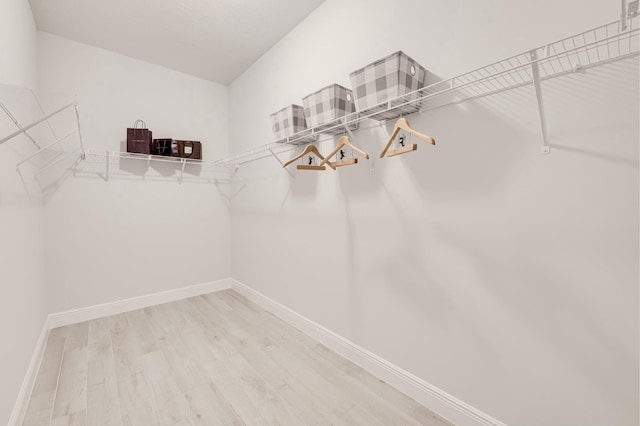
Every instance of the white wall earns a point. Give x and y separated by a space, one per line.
506 278
22 292
132 236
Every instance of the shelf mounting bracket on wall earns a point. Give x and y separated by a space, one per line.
535 71
106 162
184 163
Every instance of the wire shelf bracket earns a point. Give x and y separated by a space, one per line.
535 71
280 161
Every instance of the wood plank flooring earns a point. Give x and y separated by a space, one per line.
216 359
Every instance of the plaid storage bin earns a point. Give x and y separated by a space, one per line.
385 79
288 121
324 108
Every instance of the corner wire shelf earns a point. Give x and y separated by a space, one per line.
601 45
80 160
59 155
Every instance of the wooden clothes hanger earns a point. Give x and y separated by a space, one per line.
342 142
403 124
308 150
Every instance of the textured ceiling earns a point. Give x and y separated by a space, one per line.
213 39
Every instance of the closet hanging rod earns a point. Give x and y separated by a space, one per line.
35 123
237 159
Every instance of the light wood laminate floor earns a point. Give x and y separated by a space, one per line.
209 360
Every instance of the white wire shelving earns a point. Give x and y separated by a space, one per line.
27 112
598 46
112 164
59 146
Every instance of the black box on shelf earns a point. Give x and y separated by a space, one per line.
190 149
162 147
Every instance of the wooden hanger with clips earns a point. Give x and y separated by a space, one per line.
344 141
403 124
308 150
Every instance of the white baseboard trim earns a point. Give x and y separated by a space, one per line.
437 400
20 407
73 316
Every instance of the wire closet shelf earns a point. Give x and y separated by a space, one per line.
598 46
49 132
111 162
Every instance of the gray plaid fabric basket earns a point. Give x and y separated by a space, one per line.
385 79
324 108
288 121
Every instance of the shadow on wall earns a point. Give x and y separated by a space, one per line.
627 162
554 308
579 92
305 184
461 165
478 146
482 144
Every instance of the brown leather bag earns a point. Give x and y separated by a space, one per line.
139 139
190 149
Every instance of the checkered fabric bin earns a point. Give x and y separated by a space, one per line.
324 108
288 121
385 79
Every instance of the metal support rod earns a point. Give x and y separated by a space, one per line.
75 106
24 183
538 88
279 161
107 167
43 113
17 123
70 169
251 160
623 15
35 123
53 163
46 148
233 169
182 171
232 196
245 154
349 132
